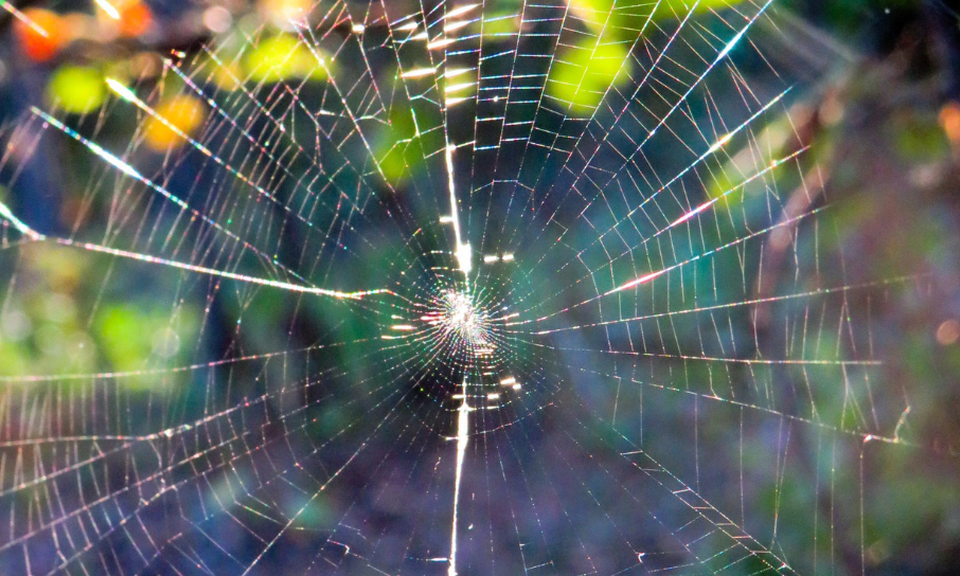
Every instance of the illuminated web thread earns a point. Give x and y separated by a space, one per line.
431 325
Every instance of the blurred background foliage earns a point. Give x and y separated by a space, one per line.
881 117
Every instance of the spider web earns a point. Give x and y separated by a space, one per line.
492 288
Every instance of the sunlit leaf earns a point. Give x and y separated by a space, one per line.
77 89
581 77
283 57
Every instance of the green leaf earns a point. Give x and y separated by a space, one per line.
77 89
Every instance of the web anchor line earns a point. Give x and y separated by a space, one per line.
463 254
464 258
463 429
26 230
